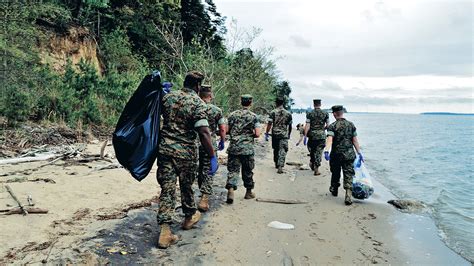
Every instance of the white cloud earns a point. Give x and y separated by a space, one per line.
416 46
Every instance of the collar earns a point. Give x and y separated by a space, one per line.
246 107
188 90
340 118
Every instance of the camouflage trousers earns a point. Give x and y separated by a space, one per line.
315 148
280 148
169 169
205 180
336 163
234 165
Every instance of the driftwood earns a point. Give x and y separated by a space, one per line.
102 148
28 159
18 210
67 154
22 209
24 179
294 164
281 201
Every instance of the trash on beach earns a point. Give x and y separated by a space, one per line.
281 226
362 187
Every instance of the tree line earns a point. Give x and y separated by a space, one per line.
130 38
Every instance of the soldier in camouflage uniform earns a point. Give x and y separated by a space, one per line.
216 122
316 123
184 118
340 143
280 121
300 129
243 128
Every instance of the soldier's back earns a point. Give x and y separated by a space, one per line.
242 124
343 131
317 119
281 119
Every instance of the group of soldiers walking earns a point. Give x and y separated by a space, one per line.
188 114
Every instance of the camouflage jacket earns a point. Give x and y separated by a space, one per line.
342 132
281 119
242 124
215 119
183 112
317 120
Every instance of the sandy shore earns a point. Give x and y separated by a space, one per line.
106 216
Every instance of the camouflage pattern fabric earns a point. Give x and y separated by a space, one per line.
281 119
183 112
315 148
337 163
301 130
168 171
342 152
280 148
205 181
234 163
317 119
242 124
342 132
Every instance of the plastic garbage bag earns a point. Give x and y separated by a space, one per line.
136 135
362 187
280 225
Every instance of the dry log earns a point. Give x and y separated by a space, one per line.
102 148
18 210
28 159
281 201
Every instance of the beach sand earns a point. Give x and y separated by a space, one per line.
106 216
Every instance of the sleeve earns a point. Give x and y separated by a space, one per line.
255 120
331 130
308 115
290 119
200 115
327 118
221 118
271 117
354 131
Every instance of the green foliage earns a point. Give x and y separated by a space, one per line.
132 37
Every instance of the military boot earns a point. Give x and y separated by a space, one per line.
230 196
203 204
249 194
191 220
166 237
348 198
316 171
311 165
280 170
333 190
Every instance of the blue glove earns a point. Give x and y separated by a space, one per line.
305 140
326 155
361 158
267 136
167 86
214 165
221 145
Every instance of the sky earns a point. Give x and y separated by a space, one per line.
401 56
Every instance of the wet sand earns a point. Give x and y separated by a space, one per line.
107 216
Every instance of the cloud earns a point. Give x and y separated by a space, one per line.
301 42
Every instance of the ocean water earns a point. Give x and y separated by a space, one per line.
428 158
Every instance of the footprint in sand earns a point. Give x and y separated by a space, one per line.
304 260
308 209
313 225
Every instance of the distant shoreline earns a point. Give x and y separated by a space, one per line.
444 113
297 111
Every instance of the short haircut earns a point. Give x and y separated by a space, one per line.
205 91
279 101
338 113
193 79
246 101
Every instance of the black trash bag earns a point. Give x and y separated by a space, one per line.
136 135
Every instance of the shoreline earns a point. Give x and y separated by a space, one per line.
326 231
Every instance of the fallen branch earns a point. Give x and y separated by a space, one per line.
281 201
102 148
18 210
28 159
24 179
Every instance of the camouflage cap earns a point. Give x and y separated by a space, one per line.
317 101
337 108
246 97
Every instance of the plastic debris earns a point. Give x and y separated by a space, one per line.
281 226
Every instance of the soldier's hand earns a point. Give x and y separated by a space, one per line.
167 86
305 140
326 155
267 136
221 145
214 165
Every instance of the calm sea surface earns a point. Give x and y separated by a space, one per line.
428 158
